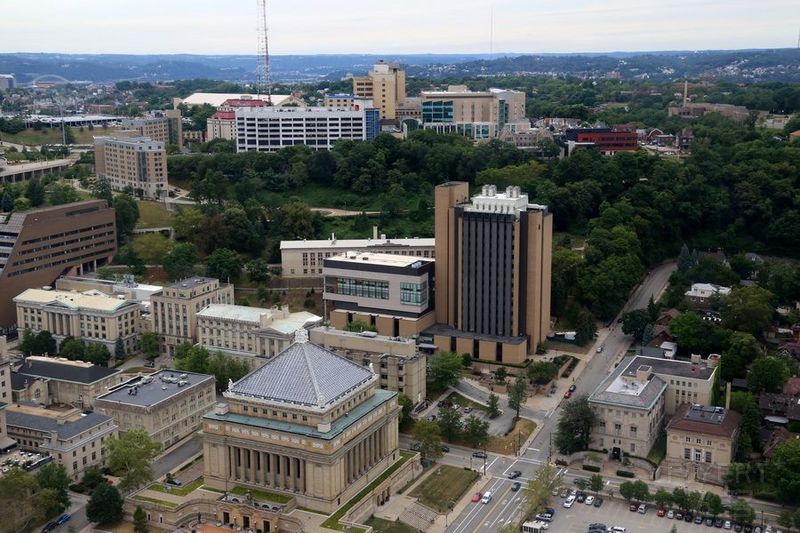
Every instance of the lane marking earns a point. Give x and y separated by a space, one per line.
474 512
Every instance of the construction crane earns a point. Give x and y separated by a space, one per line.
262 71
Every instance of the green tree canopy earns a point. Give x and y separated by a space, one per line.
179 262
768 374
224 264
748 309
446 369
518 394
429 437
574 430
105 505
129 457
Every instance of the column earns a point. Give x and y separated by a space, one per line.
273 476
350 469
371 448
302 479
229 471
290 472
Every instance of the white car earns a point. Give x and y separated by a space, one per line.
569 502
617 529
727 524
487 497
589 500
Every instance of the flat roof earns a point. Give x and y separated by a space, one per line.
151 389
705 419
61 369
623 388
673 367
190 283
91 299
373 258
342 244
217 99
241 313
294 321
65 430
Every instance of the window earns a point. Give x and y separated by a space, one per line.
708 457
687 454
697 455
633 447
633 431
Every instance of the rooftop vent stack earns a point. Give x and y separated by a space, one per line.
375 232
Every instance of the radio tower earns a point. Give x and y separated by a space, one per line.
262 73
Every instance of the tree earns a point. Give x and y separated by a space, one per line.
102 190
257 270
681 499
742 350
596 483
92 477
7 203
61 193
662 498
574 430
694 500
72 348
406 406
635 322
542 371
97 353
140 520
783 471
130 455
53 476
518 394
685 259
691 330
119 348
179 262
445 370
127 213
187 223
539 489
585 327
768 374
450 423
223 264
742 512
105 505
747 309
17 506
786 519
429 437
493 405
635 491
476 431
712 504
149 342
127 255
35 192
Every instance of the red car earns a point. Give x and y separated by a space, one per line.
477 497
633 508
661 511
568 394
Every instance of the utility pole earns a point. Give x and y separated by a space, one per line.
484 459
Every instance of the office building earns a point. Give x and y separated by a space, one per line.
174 309
308 424
136 163
605 140
385 85
493 255
651 387
475 114
38 246
250 333
161 126
400 365
701 442
168 404
689 110
128 288
91 316
269 129
55 380
222 124
390 294
218 100
7 81
72 438
304 259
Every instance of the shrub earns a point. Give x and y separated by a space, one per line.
625 473
561 462
591 468
80 488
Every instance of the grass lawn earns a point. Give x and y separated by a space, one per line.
444 485
462 401
177 491
508 444
380 525
53 136
153 215
659 450
262 495
155 500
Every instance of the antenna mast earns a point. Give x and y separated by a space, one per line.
263 73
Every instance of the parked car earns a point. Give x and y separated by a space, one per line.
618 529
568 394
632 507
678 515
63 519
445 449
564 493
598 501
597 525
554 492
748 528
173 481
670 514
601 348
589 500
710 521
719 523
516 486
569 502
738 528
698 519
50 526
149 364
468 410
572 388
477 497
480 455
661 511
487 497
581 497
514 474
688 517
642 508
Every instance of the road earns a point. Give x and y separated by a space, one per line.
507 506
169 461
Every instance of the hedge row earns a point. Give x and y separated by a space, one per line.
625 473
591 468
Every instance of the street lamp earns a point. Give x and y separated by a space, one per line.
450 506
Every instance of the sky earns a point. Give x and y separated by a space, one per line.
406 26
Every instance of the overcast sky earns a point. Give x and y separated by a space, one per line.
409 26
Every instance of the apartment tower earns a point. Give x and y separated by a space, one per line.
385 85
493 256
136 162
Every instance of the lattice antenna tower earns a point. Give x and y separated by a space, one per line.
263 74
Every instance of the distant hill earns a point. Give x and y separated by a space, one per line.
735 65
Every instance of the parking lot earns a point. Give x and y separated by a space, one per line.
616 513
497 426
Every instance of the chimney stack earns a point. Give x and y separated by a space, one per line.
728 396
